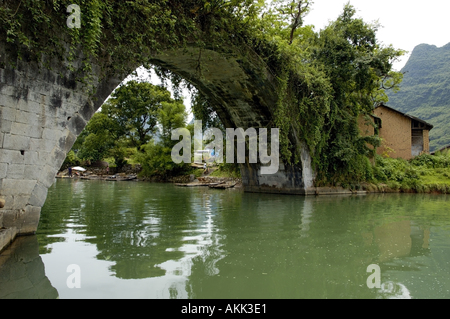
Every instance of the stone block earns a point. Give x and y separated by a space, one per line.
7 113
11 156
69 108
5 126
6 237
49 76
30 158
44 156
42 145
33 171
27 130
15 171
20 104
18 157
20 201
3 168
43 88
26 117
38 195
48 175
88 110
77 98
16 187
66 142
36 98
16 142
13 218
7 90
76 124
49 121
57 157
51 134
30 220
14 77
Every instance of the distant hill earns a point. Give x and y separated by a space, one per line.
425 91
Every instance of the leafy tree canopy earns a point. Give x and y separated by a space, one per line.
133 115
136 108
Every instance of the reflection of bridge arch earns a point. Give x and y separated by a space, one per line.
42 112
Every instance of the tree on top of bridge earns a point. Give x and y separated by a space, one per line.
323 80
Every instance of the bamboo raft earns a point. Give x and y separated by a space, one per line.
219 185
223 185
103 178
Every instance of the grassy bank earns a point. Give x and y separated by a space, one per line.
423 174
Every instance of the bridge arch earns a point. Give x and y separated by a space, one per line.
42 111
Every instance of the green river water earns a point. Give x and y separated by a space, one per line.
144 240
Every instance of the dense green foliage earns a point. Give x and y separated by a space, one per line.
138 106
127 127
331 78
424 91
425 173
121 34
102 137
71 160
324 80
155 158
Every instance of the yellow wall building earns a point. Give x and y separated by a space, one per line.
403 136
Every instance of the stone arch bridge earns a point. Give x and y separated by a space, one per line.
42 111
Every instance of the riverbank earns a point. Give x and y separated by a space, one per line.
132 173
424 188
407 180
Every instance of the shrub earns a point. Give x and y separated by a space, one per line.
398 172
432 161
71 160
156 160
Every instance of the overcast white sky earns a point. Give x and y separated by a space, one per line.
406 23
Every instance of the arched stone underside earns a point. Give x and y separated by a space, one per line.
43 111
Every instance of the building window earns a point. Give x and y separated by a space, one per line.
377 121
417 142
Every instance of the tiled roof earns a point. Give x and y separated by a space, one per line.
407 115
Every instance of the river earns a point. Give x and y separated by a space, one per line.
100 239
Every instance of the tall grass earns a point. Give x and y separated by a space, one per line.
423 174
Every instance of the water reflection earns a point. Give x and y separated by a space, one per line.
157 241
393 290
399 239
22 273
